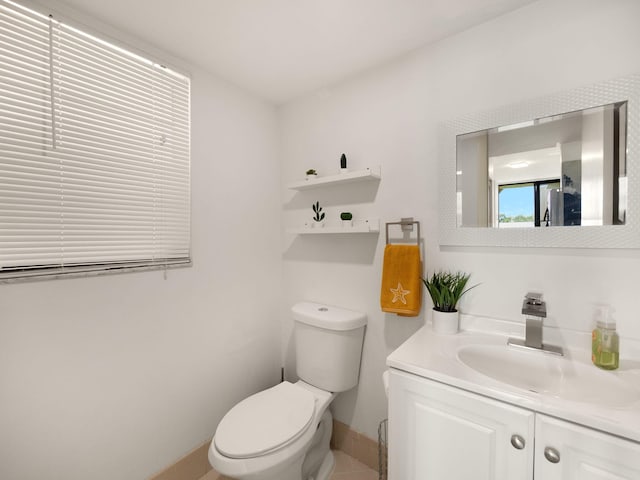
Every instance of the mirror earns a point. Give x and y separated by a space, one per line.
562 170
558 171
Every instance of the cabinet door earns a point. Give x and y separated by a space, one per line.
437 432
565 451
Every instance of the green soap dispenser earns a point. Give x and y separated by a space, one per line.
605 343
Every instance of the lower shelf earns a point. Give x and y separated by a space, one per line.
370 225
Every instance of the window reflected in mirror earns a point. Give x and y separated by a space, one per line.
525 204
563 170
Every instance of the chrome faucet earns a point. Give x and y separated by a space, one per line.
535 310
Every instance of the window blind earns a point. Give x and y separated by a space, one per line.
94 152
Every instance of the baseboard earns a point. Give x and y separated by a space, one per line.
193 466
354 444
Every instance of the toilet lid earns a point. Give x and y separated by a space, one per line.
265 421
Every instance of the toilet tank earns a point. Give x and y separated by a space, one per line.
328 345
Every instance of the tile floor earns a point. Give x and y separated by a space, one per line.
347 468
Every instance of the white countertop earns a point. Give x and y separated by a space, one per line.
434 356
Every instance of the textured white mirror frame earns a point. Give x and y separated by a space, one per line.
606 236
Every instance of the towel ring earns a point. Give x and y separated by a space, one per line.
407 226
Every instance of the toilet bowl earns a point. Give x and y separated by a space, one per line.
268 436
283 433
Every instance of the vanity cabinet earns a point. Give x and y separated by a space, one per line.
446 433
582 453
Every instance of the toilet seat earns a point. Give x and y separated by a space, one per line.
265 421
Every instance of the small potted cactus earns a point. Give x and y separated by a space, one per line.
318 217
347 219
312 174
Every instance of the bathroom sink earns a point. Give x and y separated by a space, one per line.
544 373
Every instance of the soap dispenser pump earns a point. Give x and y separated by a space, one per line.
605 343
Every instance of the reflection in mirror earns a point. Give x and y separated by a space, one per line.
562 170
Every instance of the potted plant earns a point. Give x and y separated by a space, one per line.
346 218
312 174
318 218
445 290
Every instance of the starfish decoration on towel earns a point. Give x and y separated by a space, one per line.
399 294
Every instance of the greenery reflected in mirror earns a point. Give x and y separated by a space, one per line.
562 170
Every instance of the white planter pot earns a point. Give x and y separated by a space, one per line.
445 322
312 177
319 224
347 223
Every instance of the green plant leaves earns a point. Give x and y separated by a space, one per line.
446 289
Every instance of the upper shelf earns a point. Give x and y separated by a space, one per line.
367 174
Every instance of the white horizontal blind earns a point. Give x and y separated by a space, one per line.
94 152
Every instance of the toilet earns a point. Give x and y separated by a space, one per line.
283 433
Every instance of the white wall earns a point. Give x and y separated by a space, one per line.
389 117
116 377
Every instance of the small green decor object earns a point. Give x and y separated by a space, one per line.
311 171
319 214
346 216
446 289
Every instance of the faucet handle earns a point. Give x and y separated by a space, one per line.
533 305
533 298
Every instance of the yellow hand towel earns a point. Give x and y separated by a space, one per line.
401 290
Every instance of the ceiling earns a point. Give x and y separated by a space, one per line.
281 49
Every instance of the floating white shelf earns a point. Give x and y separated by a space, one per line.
368 174
371 225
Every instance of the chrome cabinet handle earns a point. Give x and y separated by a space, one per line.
552 454
517 441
